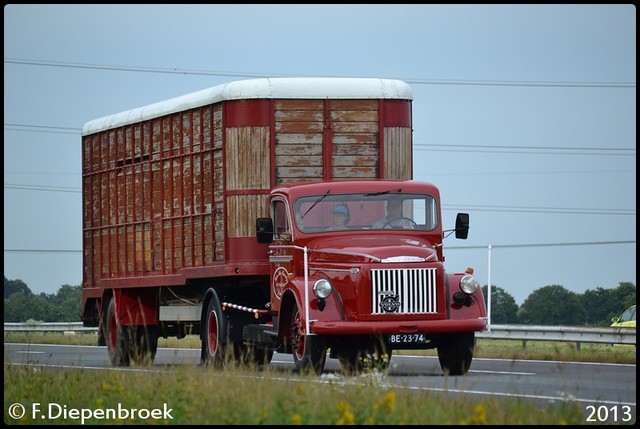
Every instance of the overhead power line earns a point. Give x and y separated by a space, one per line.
555 210
41 188
493 246
263 75
42 129
418 146
506 246
531 150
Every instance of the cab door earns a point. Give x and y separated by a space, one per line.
280 251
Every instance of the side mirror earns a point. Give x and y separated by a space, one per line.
264 230
462 226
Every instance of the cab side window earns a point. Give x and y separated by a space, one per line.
282 229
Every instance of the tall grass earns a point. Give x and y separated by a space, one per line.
203 395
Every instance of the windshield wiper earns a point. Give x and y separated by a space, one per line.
317 201
375 194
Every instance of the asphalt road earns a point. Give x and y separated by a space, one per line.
600 388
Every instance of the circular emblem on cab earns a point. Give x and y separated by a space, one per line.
280 279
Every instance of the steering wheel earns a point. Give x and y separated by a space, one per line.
414 225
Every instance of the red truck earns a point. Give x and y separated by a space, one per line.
271 215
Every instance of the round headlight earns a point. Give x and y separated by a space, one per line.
322 288
469 285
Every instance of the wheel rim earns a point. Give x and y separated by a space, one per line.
297 337
212 333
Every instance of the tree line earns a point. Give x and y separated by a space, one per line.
551 305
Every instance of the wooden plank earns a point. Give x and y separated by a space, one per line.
248 146
398 153
353 150
299 127
298 149
354 127
354 116
299 161
299 104
354 161
353 105
283 139
242 212
309 173
354 172
299 116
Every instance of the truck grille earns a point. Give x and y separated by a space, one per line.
403 291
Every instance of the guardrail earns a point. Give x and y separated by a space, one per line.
608 335
497 332
47 327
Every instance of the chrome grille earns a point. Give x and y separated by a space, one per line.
403 291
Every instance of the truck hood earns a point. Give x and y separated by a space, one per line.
385 248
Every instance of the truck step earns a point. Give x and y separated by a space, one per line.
259 335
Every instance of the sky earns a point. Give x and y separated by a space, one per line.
524 116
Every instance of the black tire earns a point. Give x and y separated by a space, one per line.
455 353
116 337
144 344
309 351
102 330
356 360
214 334
250 355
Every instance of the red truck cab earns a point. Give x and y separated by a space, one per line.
372 285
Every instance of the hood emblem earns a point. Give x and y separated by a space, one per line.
390 301
406 259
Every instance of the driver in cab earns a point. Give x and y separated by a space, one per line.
394 218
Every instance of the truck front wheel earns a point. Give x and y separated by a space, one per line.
455 352
355 359
309 351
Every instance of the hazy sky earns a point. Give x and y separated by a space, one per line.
524 116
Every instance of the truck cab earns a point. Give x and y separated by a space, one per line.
357 268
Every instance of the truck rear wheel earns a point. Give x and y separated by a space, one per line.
309 351
116 337
455 352
143 342
214 340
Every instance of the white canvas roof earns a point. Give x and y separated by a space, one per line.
300 88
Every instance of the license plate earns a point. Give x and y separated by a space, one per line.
407 338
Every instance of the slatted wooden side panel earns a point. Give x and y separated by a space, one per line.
298 140
249 169
214 182
152 197
183 190
355 139
398 153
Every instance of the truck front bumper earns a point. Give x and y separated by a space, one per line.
395 327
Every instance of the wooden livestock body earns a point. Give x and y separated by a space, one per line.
172 191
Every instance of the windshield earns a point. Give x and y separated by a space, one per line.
628 315
332 212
